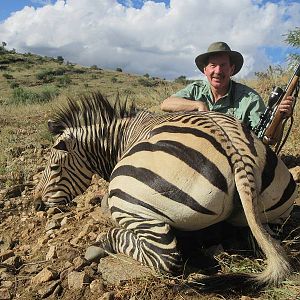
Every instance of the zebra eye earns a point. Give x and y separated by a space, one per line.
54 167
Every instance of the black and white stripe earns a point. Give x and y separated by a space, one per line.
172 171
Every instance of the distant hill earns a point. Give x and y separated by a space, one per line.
29 78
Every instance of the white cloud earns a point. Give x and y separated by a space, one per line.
159 40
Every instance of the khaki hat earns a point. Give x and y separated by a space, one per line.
220 47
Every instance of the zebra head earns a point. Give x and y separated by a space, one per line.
67 174
89 140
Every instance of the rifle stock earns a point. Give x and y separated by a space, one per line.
273 130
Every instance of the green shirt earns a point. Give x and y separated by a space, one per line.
242 102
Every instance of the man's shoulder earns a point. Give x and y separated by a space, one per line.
200 83
245 90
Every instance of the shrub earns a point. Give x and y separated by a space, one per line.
64 80
60 59
22 96
13 85
94 67
7 76
48 75
147 82
182 79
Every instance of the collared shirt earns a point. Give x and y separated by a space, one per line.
242 102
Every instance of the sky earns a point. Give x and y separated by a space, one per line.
160 38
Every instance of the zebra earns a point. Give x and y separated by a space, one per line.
167 172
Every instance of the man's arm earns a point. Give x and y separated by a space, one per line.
174 104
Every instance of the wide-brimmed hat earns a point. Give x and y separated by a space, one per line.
220 47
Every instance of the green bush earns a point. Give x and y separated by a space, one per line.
13 85
182 79
64 81
48 75
94 67
7 76
148 82
22 96
60 59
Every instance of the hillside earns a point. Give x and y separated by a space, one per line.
41 252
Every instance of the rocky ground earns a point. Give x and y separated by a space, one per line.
42 253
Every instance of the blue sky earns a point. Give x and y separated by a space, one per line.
148 37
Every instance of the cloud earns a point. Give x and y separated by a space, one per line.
156 39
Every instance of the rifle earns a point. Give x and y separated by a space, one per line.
272 121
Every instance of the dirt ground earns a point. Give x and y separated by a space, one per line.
42 253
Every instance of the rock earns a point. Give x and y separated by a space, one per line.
79 263
108 296
6 254
64 221
52 224
5 243
41 214
4 294
118 268
76 280
97 287
15 262
94 253
14 191
6 284
45 275
99 214
92 201
48 289
31 269
53 210
51 253
86 229
59 216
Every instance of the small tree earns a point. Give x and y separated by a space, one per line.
293 39
60 59
2 48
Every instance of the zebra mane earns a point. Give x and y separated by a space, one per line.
89 110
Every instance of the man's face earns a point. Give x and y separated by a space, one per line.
219 70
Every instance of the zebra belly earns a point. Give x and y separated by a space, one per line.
160 186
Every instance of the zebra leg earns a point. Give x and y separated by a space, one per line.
150 242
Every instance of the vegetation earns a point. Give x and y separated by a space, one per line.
292 38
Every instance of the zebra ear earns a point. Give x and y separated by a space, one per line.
61 145
55 128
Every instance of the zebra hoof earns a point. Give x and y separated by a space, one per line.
94 253
39 205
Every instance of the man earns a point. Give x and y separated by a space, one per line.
220 93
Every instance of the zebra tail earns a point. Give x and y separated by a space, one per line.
277 265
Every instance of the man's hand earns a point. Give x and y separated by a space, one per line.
202 106
286 106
